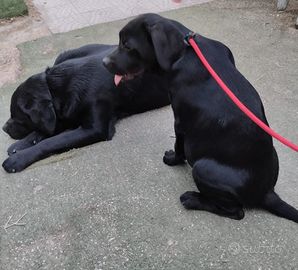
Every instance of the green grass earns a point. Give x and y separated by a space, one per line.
12 8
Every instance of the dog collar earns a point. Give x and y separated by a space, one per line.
188 37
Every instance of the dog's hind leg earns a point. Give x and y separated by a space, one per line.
198 201
219 186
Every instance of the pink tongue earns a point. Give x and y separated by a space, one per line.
117 79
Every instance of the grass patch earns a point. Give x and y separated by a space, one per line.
12 8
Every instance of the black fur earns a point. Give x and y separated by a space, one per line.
77 94
234 161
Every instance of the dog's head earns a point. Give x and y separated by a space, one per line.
31 109
146 42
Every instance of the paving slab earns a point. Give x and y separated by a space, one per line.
63 16
115 205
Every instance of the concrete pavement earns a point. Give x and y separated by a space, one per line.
115 205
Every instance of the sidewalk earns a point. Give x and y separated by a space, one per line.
115 205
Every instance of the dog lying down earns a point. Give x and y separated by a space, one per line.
77 95
234 162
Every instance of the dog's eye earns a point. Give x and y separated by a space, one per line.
127 47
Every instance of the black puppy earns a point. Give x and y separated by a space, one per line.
76 94
234 161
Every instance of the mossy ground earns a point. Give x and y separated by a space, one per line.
12 8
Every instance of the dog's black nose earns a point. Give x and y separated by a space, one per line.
106 61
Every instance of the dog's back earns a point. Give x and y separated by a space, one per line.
87 50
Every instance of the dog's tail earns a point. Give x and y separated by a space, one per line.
275 205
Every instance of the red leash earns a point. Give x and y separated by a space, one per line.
238 102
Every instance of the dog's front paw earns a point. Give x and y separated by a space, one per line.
15 163
171 158
11 150
20 145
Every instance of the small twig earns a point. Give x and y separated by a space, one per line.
6 224
75 173
16 223
278 64
261 77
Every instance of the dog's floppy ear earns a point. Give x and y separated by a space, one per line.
40 109
168 42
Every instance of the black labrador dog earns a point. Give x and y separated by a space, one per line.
234 162
77 95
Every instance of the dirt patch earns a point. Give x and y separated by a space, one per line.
284 19
14 31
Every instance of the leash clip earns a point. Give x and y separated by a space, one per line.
188 37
